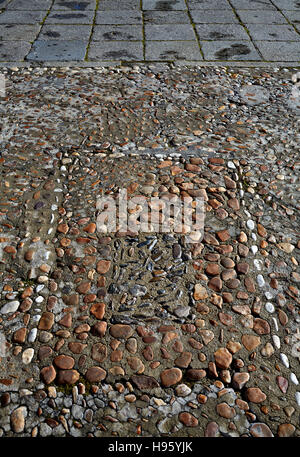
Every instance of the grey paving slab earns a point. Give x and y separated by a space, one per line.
11 51
117 33
119 17
16 32
221 32
167 5
65 32
169 32
293 16
160 17
68 17
287 4
116 50
261 17
116 5
29 5
273 32
214 17
284 51
209 5
227 50
22 17
172 50
74 5
57 50
253 4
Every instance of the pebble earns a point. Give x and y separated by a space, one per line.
284 360
10 307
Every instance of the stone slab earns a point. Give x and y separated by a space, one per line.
15 32
29 5
120 17
169 32
287 51
228 50
172 50
70 17
74 5
160 17
214 17
116 50
164 5
273 32
65 32
22 17
261 17
13 50
221 32
57 50
117 33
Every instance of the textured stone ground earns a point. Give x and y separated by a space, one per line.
110 31
136 334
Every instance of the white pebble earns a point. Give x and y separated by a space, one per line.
268 295
27 356
257 264
297 396
254 249
275 323
294 379
270 307
254 237
39 299
260 280
250 224
276 341
39 288
230 164
10 307
284 360
32 335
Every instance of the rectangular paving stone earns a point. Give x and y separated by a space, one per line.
207 5
65 32
261 17
22 17
172 50
125 17
160 17
227 50
116 5
70 17
11 51
117 32
167 5
252 4
47 50
16 32
116 50
168 32
293 16
285 51
221 32
214 17
267 32
29 5
83 5
287 4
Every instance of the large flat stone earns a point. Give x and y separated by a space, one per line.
267 32
261 17
209 5
11 51
116 5
286 51
65 32
70 17
214 17
14 32
164 5
221 32
172 50
253 5
167 32
119 17
79 5
29 5
22 17
160 17
117 33
57 50
228 50
116 50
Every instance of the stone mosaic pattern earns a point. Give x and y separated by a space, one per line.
128 334
151 30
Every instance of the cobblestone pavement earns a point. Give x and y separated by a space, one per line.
143 334
93 31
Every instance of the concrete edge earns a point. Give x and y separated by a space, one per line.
99 64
